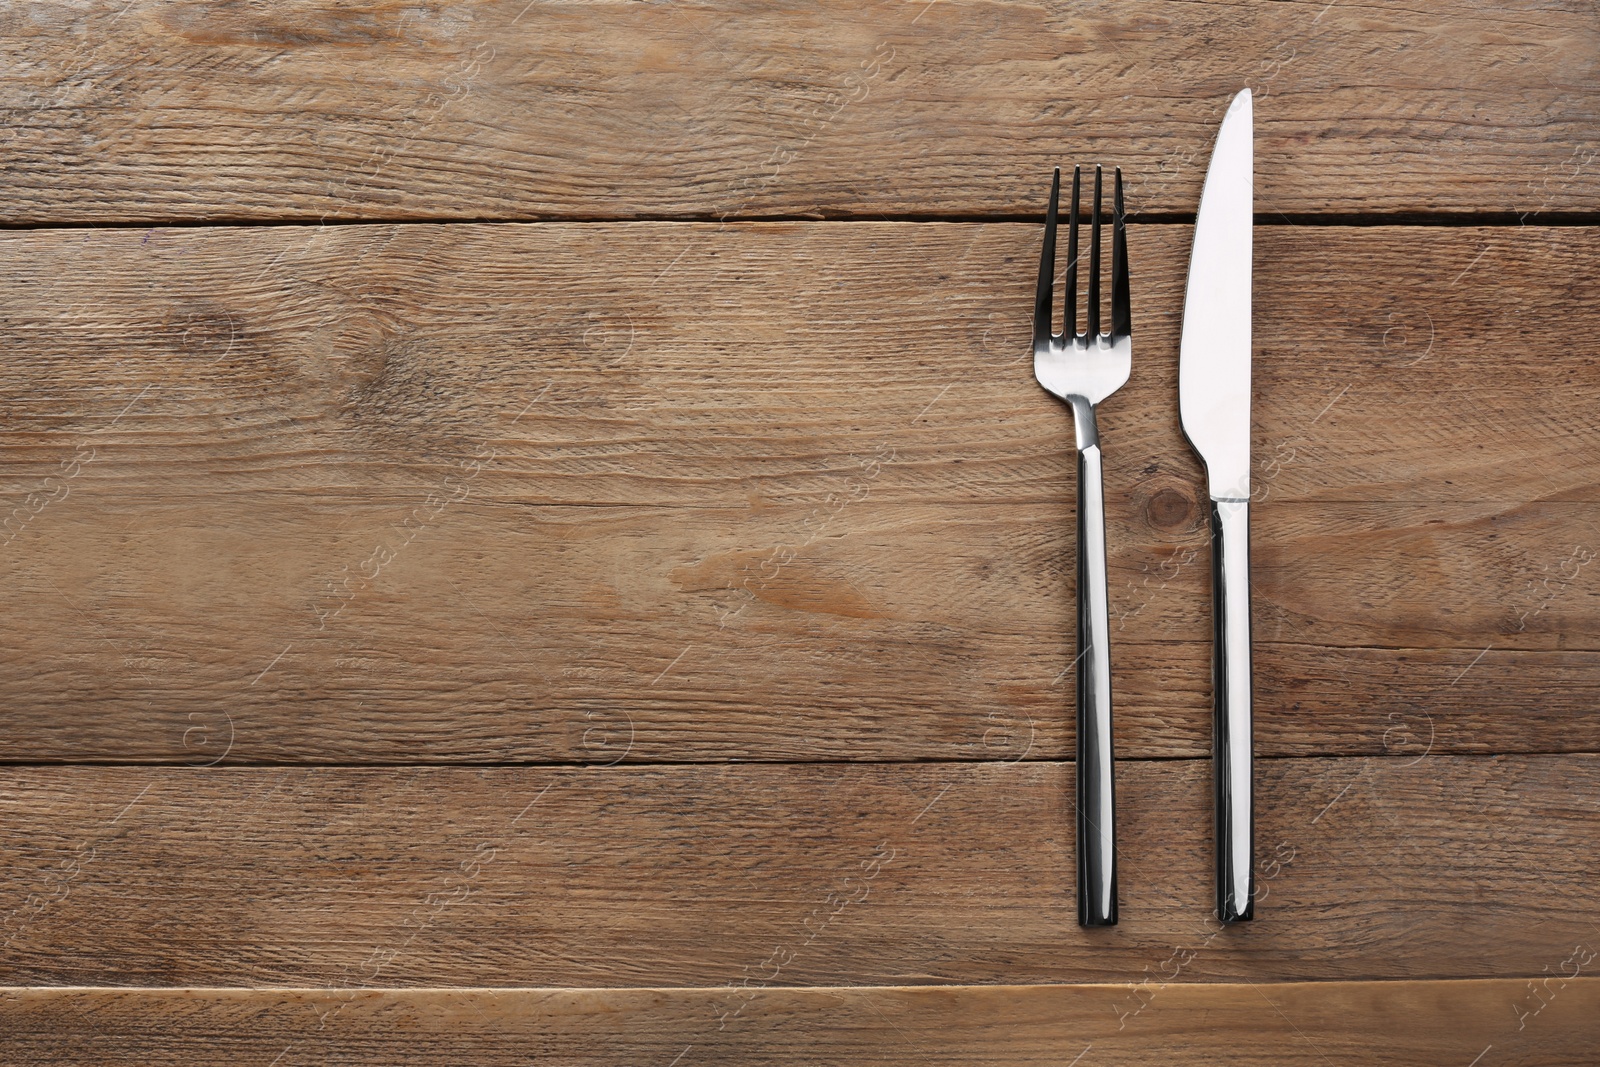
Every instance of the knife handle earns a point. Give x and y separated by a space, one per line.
1231 731
1097 842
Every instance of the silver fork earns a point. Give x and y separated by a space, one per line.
1083 369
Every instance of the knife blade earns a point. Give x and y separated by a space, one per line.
1214 407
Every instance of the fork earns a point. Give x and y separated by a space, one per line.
1083 369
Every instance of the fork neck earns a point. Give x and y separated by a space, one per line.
1083 423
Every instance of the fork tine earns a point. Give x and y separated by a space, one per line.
1070 329
1042 300
1094 262
1121 315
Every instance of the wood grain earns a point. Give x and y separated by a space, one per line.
576 479
178 109
227 630
519 492
654 363
1273 1025
793 875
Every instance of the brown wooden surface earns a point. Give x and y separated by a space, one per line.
508 438
153 109
185 637
879 874
380 494
754 365
1276 1024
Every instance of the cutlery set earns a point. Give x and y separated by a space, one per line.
1083 369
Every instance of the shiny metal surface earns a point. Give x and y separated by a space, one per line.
1214 371
1231 728
1083 369
1214 404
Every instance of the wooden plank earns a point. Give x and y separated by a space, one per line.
169 109
793 875
365 493
244 629
660 364
1193 1025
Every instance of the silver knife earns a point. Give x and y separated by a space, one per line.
1214 404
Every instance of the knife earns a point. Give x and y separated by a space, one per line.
1214 405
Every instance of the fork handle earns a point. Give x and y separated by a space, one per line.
1097 843
1231 731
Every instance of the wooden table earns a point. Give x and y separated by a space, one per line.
532 536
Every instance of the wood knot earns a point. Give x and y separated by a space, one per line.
1168 508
